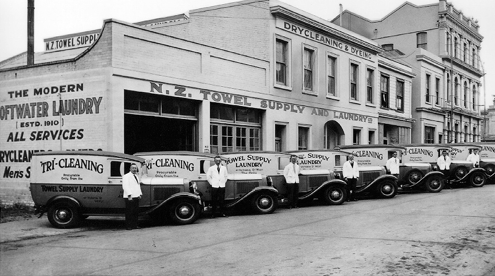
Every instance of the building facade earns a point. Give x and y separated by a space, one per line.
211 81
442 45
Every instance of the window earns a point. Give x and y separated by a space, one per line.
388 47
474 98
421 40
428 77
308 69
456 45
369 85
354 81
356 136
371 137
384 89
234 129
449 42
474 58
456 87
465 53
279 138
437 90
465 133
303 138
331 63
456 135
448 88
465 95
400 95
429 135
282 62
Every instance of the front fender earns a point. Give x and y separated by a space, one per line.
323 186
468 175
426 176
256 190
373 183
192 196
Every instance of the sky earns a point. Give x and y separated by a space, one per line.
61 17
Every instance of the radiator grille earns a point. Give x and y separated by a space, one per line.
164 193
316 181
368 177
243 187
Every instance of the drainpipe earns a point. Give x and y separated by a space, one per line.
30 33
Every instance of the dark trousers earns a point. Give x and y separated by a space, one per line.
131 212
217 198
351 188
293 193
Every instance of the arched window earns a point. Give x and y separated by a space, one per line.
456 45
465 95
475 104
456 89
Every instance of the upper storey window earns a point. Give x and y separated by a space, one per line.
281 74
308 69
354 81
421 40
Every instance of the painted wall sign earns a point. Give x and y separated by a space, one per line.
241 100
323 39
66 115
83 40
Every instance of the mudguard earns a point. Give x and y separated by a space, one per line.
375 182
40 210
425 177
468 175
242 199
325 184
174 197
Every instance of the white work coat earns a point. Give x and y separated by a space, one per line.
444 163
291 173
131 186
215 178
349 171
474 159
393 165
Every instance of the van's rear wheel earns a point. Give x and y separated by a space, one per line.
64 215
184 211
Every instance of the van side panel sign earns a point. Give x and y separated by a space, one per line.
69 163
184 166
71 189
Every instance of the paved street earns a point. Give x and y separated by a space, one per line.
449 233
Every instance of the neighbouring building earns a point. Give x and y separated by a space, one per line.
442 45
249 75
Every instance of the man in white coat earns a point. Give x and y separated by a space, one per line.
291 174
350 172
132 194
393 165
474 158
443 163
217 177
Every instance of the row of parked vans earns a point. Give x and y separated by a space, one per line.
70 186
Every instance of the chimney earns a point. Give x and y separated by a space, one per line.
340 17
30 33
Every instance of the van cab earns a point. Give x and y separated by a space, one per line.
316 180
71 186
244 191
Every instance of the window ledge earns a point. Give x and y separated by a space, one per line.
280 86
310 93
354 102
333 97
371 105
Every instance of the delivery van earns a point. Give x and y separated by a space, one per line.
72 185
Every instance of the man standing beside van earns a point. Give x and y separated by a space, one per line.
443 163
350 172
291 174
393 165
132 194
474 158
217 177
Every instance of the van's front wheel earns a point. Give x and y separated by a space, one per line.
64 215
